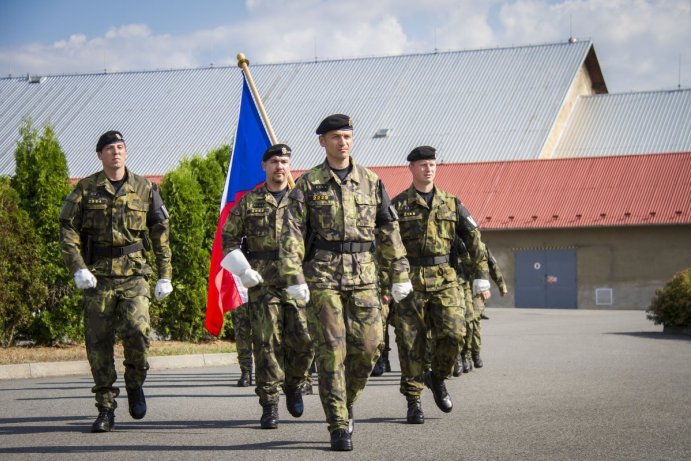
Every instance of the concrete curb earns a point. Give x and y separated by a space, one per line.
81 367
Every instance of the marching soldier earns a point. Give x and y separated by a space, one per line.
282 345
430 220
243 342
106 223
327 257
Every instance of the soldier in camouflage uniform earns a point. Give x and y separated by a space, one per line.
430 220
106 223
327 255
282 345
243 342
466 272
470 355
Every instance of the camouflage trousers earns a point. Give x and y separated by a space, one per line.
116 306
386 319
282 345
432 325
473 342
347 329
243 335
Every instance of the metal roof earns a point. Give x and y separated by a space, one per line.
561 193
628 123
478 105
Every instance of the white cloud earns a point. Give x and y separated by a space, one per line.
638 42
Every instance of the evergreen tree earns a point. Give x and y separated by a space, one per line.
22 286
42 182
180 316
211 178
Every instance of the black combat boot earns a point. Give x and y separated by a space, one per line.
458 366
351 421
477 361
438 388
483 316
465 363
378 369
245 377
269 419
341 440
294 401
137 402
387 364
415 414
105 421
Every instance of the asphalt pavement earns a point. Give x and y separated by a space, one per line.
556 385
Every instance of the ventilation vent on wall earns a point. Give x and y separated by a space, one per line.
603 297
383 133
36 79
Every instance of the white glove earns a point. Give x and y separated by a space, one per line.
299 292
163 288
84 279
251 278
236 263
480 285
400 290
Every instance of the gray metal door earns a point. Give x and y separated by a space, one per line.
546 278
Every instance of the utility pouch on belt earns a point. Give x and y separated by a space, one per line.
309 245
87 249
145 241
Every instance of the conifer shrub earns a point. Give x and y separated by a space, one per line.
671 305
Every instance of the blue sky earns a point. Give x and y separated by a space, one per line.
642 44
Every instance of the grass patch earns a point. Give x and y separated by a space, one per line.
32 354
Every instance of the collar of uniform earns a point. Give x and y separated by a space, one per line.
413 197
103 181
269 197
327 173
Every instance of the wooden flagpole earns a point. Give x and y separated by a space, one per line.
243 63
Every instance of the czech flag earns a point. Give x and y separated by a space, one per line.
244 174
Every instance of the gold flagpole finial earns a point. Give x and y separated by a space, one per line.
242 61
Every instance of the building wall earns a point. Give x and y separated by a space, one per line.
582 86
632 261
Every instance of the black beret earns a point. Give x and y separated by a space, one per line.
335 122
422 153
276 150
109 137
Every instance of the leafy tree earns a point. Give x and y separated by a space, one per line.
22 287
41 180
671 305
180 315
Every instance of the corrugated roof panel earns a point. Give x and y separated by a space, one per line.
493 104
578 192
628 123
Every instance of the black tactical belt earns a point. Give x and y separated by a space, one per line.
271 255
344 247
429 260
114 252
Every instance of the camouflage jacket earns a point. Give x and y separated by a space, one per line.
430 231
257 219
321 207
93 212
467 270
495 271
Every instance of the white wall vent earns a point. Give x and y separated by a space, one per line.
604 297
